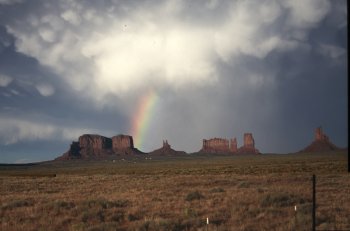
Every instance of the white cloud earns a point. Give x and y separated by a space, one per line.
124 48
47 35
15 130
245 31
5 80
269 11
45 89
71 17
306 14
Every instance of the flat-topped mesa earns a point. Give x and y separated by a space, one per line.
321 143
219 145
249 145
216 145
94 145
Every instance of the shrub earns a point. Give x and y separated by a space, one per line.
190 212
243 185
281 200
217 190
173 225
63 204
105 204
17 204
118 216
132 217
92 216
194 196
302 218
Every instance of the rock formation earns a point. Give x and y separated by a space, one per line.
96 146
72 153
166 145
215 145
319 135
321 143
122 142
219 145
166 150
233 146
248 146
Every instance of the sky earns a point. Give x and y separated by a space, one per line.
177 70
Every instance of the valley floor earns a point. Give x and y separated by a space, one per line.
168 193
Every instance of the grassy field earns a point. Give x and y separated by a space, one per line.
167 193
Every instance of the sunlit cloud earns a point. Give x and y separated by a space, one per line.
145 46
45 89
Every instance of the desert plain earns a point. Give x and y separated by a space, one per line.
230 192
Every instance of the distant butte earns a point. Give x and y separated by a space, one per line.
220 145
166 150
321 143
92 146
248 146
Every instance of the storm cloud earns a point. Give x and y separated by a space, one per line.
220 68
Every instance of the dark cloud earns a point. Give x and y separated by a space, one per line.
218 68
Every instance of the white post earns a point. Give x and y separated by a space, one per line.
295 217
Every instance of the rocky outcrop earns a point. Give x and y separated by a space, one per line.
248 146
233 146
320 136
122 142
166 150
72 153
92 146
321 143
219 145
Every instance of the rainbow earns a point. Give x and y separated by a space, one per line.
142 119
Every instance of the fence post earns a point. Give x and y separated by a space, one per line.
313 202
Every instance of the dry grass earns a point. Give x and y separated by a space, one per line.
235 193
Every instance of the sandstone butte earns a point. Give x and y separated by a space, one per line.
166 150
220 145
321 143
91 146
95 146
